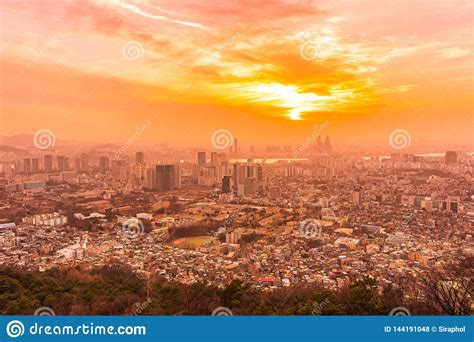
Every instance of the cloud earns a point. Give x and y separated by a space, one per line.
137 10
454 52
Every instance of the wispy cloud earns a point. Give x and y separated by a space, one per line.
454 52
137 10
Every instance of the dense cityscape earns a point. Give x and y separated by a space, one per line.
211 217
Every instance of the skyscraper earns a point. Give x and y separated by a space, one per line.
77 164
61 163
84 162
214 158
140 158
119 168
452 204
48 163
103 163
250 186
451 157
238 175
201 158
27 166
151 178
168 177
356 198
226 184
35 165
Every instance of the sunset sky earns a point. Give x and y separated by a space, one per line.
268 71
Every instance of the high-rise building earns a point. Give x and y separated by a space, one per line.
452 204
119 168
138 171
356 198
201 158
77 164
250 186
238 174
151 178
35 165
236 151
177 177
104 163
48 163
207 175
140 158
61 163
260 173
27 166
451 157
84 162
214 158
168 177
226 184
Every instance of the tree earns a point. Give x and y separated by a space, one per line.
363 297
449 289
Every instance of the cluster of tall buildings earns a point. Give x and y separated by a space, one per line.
237 178
33 165
163 177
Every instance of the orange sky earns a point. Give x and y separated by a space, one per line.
267 71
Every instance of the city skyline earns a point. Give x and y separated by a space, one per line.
191 68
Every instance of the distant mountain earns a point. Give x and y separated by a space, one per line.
20 140
26 141
11 149
107 146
